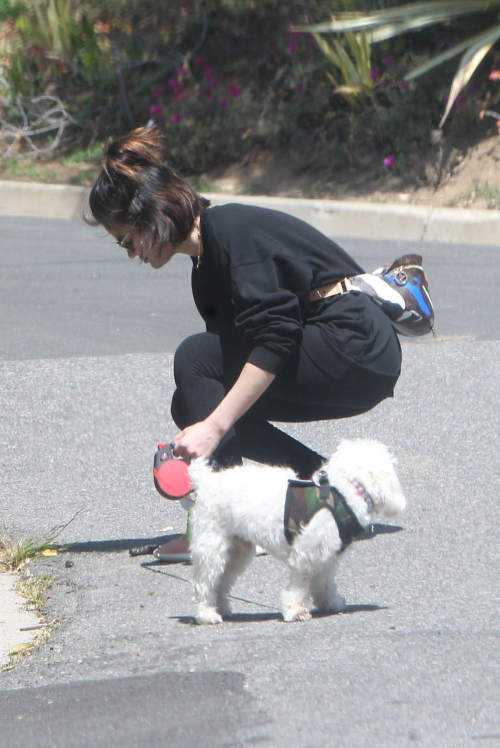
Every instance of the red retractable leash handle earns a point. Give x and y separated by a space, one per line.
170 473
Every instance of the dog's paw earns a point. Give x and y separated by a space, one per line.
296 614
208 615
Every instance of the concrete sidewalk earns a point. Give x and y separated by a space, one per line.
14 617
334 217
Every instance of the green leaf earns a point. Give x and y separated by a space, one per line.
354 68
412 15
443 57
468 64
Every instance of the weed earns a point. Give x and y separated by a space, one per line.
315 189
482 193
203 185
15 555
91 155
491 193
33 588
84 177
25 168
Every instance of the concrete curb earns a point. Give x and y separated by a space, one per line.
14 618
334 217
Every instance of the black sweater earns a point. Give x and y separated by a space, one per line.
252 286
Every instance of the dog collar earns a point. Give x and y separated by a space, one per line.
363 493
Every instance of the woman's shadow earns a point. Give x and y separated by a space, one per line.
117 546
136 544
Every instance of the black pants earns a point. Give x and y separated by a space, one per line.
204 371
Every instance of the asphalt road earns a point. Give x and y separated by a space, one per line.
86 345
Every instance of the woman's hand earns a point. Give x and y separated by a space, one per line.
202 438
199 440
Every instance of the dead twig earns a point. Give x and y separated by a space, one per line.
34 121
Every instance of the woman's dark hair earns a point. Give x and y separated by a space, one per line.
137 191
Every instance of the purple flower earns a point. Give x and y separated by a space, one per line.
199 62
461 100
179 96
155 110
223 103
235 91
312 43
173 82
213 82
389 61
158 93
404 86
209 96
272 51
291 47
176 117
184 71
374 74
299 86
389 160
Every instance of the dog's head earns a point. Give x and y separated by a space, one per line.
373 466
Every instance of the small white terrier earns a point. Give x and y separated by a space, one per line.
243 506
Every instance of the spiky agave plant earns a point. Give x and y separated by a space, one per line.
385 24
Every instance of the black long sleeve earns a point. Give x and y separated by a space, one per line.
257 270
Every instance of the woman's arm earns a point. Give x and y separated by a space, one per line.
201 439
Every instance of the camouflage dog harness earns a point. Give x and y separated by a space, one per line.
304 499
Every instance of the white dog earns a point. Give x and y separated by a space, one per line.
244 506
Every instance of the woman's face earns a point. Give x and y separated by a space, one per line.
134 245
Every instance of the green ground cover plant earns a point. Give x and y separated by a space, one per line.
231 81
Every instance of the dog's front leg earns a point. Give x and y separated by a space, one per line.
292 599
324 589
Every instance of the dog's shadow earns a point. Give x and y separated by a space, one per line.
261 617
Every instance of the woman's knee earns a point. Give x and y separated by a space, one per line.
198 355
177 411
186 353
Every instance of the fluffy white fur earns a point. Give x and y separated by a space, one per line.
239 508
